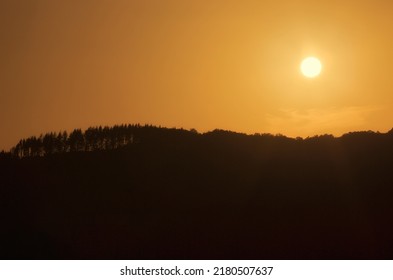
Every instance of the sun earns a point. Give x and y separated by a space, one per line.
311 67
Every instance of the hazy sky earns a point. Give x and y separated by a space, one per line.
200 64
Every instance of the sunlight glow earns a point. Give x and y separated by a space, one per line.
311 67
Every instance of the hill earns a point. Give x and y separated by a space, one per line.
144 192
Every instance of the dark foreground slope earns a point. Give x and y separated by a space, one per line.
217 195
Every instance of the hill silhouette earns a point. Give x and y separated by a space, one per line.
145 192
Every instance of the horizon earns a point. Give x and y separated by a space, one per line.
83 130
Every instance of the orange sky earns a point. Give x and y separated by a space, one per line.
201 64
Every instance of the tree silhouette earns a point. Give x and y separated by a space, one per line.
172 193
76 141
